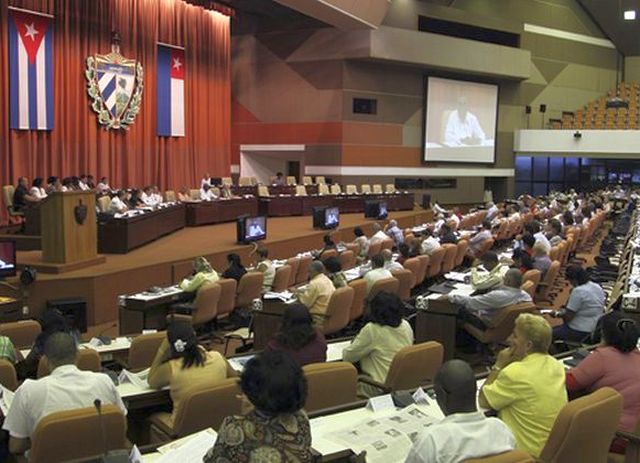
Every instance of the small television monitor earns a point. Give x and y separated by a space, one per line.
251 228
375 210
7 258
326 217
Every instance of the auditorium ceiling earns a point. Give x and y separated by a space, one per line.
608 14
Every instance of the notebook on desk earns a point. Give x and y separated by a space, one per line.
442 288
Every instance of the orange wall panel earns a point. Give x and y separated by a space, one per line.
287 133
372 133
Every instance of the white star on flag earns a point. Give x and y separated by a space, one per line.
31 31
176 63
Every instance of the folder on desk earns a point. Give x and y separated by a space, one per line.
442 288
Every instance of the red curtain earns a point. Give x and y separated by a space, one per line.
136 156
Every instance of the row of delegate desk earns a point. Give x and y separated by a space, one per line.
119 235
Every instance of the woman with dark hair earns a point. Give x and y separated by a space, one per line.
135 200
235 269
37 190
299 338
52 321
521 260
405 253
616 364
184 365
362 241
378 341
327 244
275 429
334 272
584 308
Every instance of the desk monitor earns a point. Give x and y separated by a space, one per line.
375 210
7 258
249 229
326 217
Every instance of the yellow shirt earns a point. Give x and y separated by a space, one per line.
192 284
183 381
528 395
316 297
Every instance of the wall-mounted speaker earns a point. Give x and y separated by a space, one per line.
527 109
365 106
543 108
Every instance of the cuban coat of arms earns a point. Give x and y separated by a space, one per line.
115 84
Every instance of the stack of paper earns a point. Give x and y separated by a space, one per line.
284 296
191 448
137 379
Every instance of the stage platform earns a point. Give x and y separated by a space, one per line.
169 259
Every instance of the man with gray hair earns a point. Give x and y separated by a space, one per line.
389 263
393 231
66 388
378 233
482 308
317 293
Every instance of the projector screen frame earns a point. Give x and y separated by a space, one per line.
460 78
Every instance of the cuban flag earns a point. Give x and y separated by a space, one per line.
170 91
30 71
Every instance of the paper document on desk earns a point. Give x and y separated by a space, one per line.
192 448
462 289
6 397
352 274
238 363
137 379
334 350
456 276
283 296
384 439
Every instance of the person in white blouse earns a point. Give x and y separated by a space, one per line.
37 190
117 205
156 197
206 193
206 180
463 128
82 183
103 186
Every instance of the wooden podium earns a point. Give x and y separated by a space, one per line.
69 232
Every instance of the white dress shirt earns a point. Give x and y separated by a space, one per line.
459 437
103 188
205 181
429 245
374 275
38 192
83 186
66 388
542 239
116 205
393 266
207 195
458 129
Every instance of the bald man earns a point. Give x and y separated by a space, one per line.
463 127
465 432
318 292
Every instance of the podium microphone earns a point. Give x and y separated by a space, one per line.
117 456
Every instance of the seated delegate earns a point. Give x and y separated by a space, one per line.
299 338
202 273
377 272
274 427
235 270
379 340
185 366
584 308
66 388
482 308
495 271
317 293
465 432
526 385
614 363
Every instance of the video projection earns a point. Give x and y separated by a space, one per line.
460 121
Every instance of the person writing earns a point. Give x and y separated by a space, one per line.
274 427
463 127
299 338
379 340
185 366
614 363
526 385
465 432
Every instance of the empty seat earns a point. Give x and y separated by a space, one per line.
365 188
377 189
338 312
390 285
323 189
335 189
306 180
249 288
359 296
8 375
320 179
390 188
303 269
22 333
282 278
406 281
291 180
351 190
143 350
301 190
330 384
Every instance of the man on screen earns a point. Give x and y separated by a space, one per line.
332 218
463 127
255 229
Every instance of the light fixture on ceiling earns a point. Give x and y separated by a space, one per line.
630 15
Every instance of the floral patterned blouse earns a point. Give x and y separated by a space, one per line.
258 438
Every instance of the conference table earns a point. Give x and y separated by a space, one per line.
219 210
120 234
288 205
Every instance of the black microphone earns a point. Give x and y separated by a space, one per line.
98 404
117 456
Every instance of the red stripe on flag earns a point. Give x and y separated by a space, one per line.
177 63
32 29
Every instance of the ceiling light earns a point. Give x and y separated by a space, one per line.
630 15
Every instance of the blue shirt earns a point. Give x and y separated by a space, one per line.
587 301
